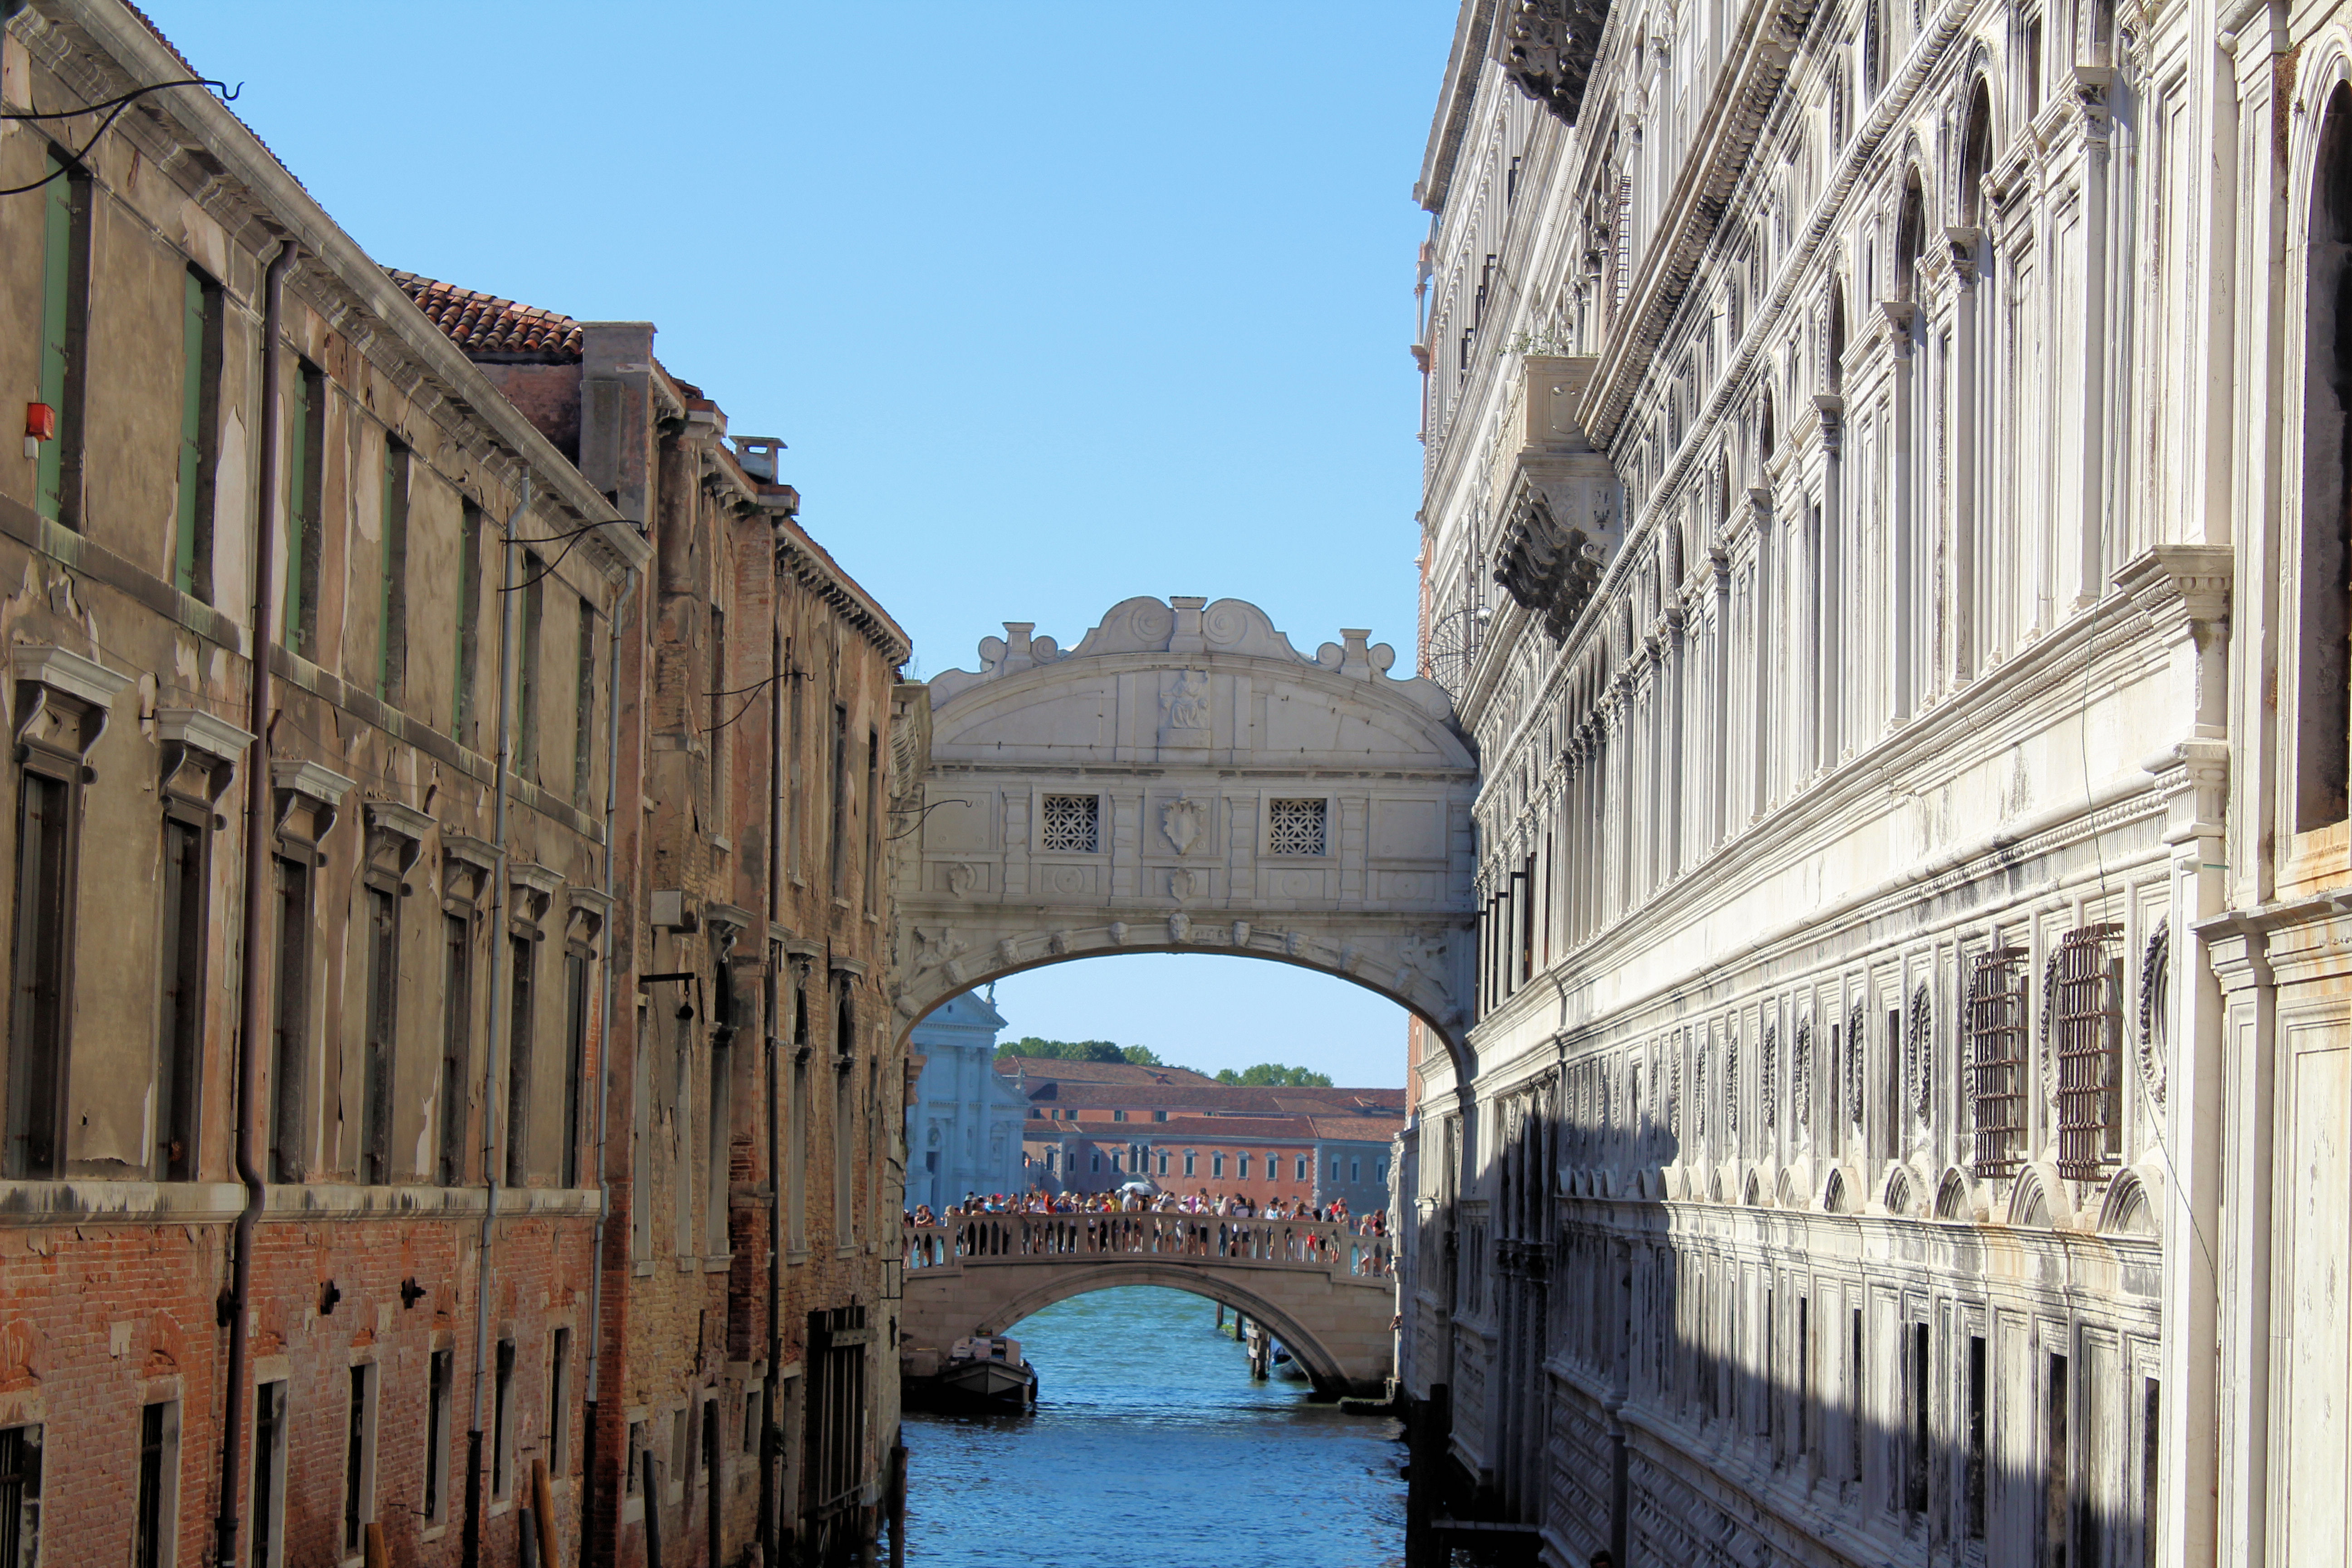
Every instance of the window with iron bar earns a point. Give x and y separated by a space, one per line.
1997 1059
2089 1015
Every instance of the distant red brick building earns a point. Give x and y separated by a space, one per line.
1095 1125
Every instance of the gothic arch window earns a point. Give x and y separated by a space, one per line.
1837 338
1765 439
1910 238
1874 52
2323 715
1975 155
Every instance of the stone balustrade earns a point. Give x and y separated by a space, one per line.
967 1240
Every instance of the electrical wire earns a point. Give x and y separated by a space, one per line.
115 106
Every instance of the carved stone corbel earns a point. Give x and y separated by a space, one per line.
317 792
532 889
395 837
200 752
467 863
590 908
63 700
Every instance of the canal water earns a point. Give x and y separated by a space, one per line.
1151 1443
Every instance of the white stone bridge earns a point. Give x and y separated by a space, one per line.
1322 1290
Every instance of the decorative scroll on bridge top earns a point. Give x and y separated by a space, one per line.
1187 627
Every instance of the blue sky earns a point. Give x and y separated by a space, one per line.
1053 304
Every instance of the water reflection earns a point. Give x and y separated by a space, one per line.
1150 1443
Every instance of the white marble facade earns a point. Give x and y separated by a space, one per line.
1886 525
963 1125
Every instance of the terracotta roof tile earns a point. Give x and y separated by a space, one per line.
1043 1069
484 325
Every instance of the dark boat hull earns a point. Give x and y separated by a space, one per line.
976 1388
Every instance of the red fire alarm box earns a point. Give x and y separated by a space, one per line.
40 422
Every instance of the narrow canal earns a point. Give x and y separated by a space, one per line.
1151 1443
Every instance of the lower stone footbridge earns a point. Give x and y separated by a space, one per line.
1320 1287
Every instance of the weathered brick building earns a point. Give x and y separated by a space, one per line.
314 1125
754 737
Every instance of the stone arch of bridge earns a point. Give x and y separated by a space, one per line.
1323 1368
1185 780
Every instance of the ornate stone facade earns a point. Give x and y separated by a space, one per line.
1911 834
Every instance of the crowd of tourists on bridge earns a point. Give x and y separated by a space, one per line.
1093 1229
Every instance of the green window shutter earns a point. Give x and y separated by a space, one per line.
192 415
392 622
469 604
57 279
298 494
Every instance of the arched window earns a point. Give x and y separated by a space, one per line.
1874 56
1975 155
2321 731
1836 368
1765 436
1910 240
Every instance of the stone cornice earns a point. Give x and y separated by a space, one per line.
814 570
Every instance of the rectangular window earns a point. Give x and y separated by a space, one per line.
717 1140
457 1042
524 953
840 868
383 1029
469 619
575 1076
1997 1026
1335 1170
1246 1167
559 1405
1300 1175
268 1477
1804 1375
359 1460
1187 1162
714 723
2089 1007
441 1373
751 1406
391 625
796 1172
527 682
681 1448
2055 1464
1355 1170
844 1152
1070 823
1093 1162
584 720
1163 1162
1380 1169
1974 1481
200 377
1855 1402
156 1521
502 1420
872 821
180 1043
305 463
1914 1419
20 1496
290 1019
633 1481
1217 1163
45 939
64 313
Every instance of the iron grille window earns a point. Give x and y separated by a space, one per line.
2089 1008
1997 1059
20 1496
1071 822
1294 827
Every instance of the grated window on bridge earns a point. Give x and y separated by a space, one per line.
1071 822
2090 1051
1294 827
1997 1059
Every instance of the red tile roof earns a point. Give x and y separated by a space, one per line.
1355 1128
484 325
1052 1070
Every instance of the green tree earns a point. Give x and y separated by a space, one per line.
1274 1075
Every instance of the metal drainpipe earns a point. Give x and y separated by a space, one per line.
603 1080
493 1117
256 870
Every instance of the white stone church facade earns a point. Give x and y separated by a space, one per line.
1885 531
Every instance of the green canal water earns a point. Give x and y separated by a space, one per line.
1151 1443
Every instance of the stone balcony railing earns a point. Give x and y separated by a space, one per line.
1325 1245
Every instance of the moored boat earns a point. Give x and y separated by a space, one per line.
983 1376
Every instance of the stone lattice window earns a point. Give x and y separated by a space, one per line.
1294 827
1071 822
